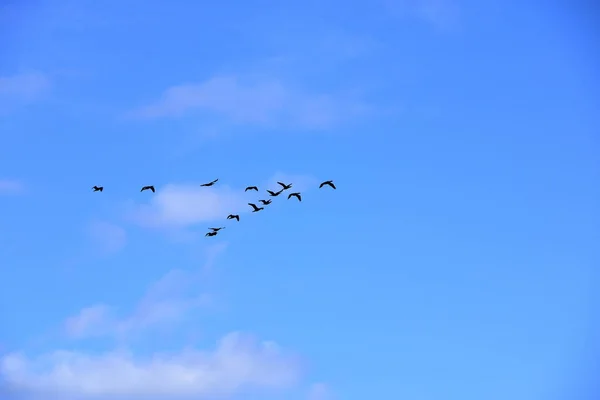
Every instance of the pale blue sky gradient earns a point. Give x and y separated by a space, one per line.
457 259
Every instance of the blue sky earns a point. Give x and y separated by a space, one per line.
455 260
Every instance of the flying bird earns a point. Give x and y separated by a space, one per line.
256 209
98 188
211 234
284 186
330 183
251 188
234 216
274 194
266 202
216 229
296 195
210 183
148 188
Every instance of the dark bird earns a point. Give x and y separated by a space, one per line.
255 207
211 234
148 188
296 195
330 183
251 188
98 188
274 194
210 183
234 216
216 229
284 186
266 202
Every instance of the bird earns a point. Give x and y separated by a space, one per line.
330 183
251 188
274 194
211 234
98 188
148 188
296 195
210 183
256 209
284 186
216 229
234 216
266 202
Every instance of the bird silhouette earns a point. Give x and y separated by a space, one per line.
234 216
210 183
211 234
274 194
266 202
256 209
296 195
98 188
284 186
148 188
216 229
251 188
329 183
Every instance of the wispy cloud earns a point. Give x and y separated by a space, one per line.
254 100
320 391
108 237
442 14
167 302
11 187
22 89
238 362
180 206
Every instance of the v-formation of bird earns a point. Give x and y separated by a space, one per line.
255 208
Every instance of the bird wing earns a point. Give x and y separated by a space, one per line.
332 185
237 217
282 184
152 188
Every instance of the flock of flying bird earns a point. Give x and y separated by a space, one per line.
255 208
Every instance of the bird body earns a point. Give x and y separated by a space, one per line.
98 188
148 188
210 183
328 183
251 188
216 229
284 186
296 195
255 207
274 194
266 202
234 216
211 234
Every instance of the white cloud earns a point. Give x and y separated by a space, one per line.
183 205
320 391
22 88
179 206
9 186
238 362
108 237
253 100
